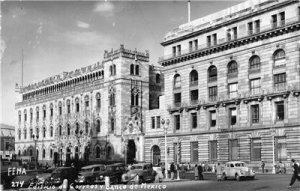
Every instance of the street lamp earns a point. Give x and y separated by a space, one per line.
35 139
165 126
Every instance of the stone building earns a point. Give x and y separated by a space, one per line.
7 139
95 113
231 87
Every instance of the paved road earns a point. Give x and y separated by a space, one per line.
261 183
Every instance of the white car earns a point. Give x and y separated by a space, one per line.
237 170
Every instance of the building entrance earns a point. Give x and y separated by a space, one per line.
155 155
131 150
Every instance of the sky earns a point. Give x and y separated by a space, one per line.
58 36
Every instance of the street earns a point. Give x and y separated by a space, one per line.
261 183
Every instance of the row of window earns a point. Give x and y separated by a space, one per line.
234 150
68 105
255 116
58 87
37 153
253 27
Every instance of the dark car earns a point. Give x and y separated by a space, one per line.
88 174
58 175
113 171
139 173
42 177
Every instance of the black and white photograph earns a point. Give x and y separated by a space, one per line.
148 95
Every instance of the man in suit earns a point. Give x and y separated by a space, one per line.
200 170
295 174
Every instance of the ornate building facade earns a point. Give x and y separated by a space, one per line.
95 113
232 85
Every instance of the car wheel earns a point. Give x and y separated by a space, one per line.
237 177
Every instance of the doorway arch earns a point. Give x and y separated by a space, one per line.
131 150
155 155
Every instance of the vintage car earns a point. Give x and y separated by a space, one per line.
58 175
139 173
113 171
88 174
42 176
237 170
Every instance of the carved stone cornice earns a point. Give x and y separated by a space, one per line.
174 110
236 101
284 94
253 98
213 104
192 107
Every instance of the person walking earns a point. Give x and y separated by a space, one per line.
200 170
295 174
219 172
196 172
262 166
172 170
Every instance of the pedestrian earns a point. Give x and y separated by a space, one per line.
296 174
200 170
219 172
172 170
196 172
47 166
262 166
189 167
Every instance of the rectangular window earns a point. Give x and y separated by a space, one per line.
98 103
177 121
77 107
233 149
256 149
51 112
194 151
194 120
234 33
255 113
177 99
25 117
196 44
31 116
19 118
281 151
208 41
257 26
213 154
191 46
282 18
280 82
158 122
213 118
174 51
279 111
60 110
194 96
37 116
250 28
229 35
274 21
213 93
68 108
86 104
255 86
215 40
44 111
178 50
153 122
232 116
232 90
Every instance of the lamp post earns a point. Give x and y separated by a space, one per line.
35 139
165 126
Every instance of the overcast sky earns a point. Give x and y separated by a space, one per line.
63 36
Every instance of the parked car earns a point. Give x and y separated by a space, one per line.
88 174
237 170
42 177
114 172
142 172
59 174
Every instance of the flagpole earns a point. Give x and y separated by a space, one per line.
22 68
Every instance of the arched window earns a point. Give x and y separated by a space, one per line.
97 152
98 99
77 104
254 63
111 70
77 128
279 54
25 133
19 153
44 153
114 69
68 130
51 131
30 152
44 132
68 106
137 70
37 132
177 81
86 127
86 101
212 74
112 99
193 78
31 133
59 130
19 133
157 78
98 126
131 69
112 124
232 67
51 153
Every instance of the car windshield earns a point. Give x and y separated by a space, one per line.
136 167
239 164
